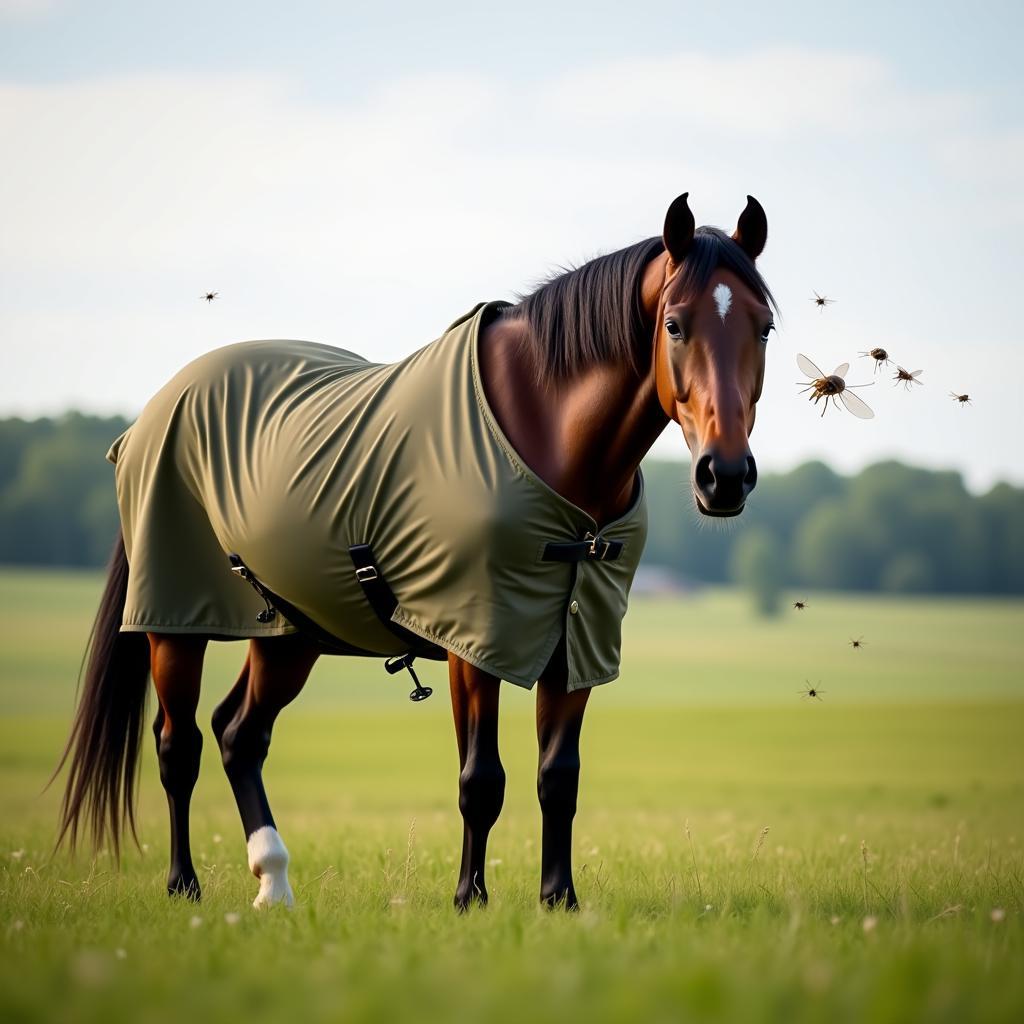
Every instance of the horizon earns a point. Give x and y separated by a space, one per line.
668 457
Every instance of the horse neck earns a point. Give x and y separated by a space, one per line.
584 436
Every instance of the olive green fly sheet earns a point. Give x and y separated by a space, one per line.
288 453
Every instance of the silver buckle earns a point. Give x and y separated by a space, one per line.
366 574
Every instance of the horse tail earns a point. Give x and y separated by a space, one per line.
106 735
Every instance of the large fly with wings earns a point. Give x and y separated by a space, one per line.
832 386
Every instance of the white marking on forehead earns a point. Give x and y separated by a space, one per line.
723 299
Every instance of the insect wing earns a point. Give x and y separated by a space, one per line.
841 370
917 373
859 409
806 366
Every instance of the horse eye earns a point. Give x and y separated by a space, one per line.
673 329
764 334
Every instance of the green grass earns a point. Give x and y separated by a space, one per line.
915 751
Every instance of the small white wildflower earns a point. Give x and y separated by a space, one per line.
232 918
594 851
708 907
195 921
870 923
216 837
145 847
17 854
18 925
998 914
397 901
834 919
120 954
494 860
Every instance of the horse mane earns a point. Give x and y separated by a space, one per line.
590 314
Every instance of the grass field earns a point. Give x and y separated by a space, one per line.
889 885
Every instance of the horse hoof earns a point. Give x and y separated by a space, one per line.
186 886
466 900
273 894
560 899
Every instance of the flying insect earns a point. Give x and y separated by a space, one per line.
880 356
832 386
906 377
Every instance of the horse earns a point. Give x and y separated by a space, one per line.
581 376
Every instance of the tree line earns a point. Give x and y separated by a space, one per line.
891 527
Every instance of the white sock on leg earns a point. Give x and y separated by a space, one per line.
268 861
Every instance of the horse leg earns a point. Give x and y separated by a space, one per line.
275 672
559 720
481 776
176 663
228 707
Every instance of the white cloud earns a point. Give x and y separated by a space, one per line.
775 93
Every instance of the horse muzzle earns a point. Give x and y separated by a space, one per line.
721 485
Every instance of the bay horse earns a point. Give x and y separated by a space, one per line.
582 375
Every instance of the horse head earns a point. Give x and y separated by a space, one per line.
712 325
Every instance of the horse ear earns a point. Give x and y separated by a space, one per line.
679 225
752 229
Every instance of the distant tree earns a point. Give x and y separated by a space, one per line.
758 565
831 548
781 501
908 573
671 508
1002 521
61 496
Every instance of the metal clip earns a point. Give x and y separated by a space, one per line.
400 661
599 547
240 569
366 574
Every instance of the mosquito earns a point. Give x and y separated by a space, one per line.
906 377
857 644
962 399
880 356
821 301
209 296
799 605
831 387
812 692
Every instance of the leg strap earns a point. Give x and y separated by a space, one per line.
382 600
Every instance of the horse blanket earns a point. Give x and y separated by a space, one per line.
289 452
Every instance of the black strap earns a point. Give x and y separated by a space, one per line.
327 640
383 601
296 618
591 548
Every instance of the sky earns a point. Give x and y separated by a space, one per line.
361 175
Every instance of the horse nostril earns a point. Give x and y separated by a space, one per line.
750 480
703 475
